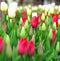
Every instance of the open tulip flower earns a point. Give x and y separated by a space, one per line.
30 33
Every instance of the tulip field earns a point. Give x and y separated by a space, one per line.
30 33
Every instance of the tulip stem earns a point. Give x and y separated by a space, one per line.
30 58
9 59
22 58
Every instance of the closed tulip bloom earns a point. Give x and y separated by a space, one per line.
58 46
4 6
55 18
23 32
1 44
53 35
43 27
34 22
12 9
40 49
22 46
24 18
31 48
9 50
59 22
24 12
43 17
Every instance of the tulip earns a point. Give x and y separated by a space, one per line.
24 18
58 21
12 9
56 8
34 22
43 27
9 50
54 25
22 46
53 35
24 12
40 15
58 46
26 25
4 6
29 12
13 5
20 22
31 31
23 33
34 14
55 19
7 39
43 17
11 13
1 44
51 10
31 48
40 49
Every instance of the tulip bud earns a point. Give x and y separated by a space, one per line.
34 14
59 22
7 17
22 46
23 34
11 13
54 25
49 13
43 27
9 50
11 21
53 35
12 9
50 34
57 46
1 44
31 48
28 12
4 6
43 17
7 39
52 10
34 21
33 37
56 8
26 25
47 21
31 31
40 49
20 22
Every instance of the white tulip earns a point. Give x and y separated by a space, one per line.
34 14
4 6
11 12
12 9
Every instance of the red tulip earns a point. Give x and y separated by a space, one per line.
31 49
55 18
53 35
22 46
40 15
34 21
24 18
24 12
1 44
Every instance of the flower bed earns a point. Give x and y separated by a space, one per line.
30 33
